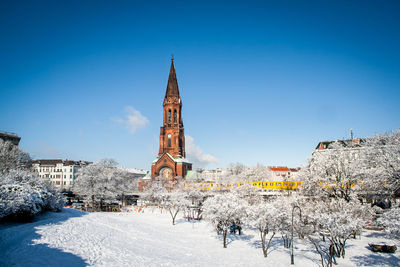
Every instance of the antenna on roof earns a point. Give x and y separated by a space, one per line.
351 133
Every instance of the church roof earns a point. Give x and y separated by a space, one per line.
177 160
172 86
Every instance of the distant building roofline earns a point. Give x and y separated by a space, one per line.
11 137
57 161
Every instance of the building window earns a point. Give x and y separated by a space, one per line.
169 116
175 116
169 140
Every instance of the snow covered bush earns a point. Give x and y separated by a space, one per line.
390 220
23 195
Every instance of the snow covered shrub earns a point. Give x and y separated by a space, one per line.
390 220
23 195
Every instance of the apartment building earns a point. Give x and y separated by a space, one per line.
58 172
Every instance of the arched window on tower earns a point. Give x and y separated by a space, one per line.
165 118
175 116
169 116
169 140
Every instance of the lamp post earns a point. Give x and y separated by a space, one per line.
292 254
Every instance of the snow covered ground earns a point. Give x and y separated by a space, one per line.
75 238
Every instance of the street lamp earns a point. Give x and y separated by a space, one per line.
292 255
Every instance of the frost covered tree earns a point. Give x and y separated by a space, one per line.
334 221
235 169
383 155
264 217
238 172
155 191
257 173
368 167
248 193
390 220
124 183
331 172
224 210
12 157
96 182
284 218
195 196
175 202
167 194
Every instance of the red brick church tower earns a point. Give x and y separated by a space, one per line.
171 161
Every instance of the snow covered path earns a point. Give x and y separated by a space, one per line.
75 238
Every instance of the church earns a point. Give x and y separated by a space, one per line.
171 162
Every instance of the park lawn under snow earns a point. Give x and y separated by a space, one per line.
76 238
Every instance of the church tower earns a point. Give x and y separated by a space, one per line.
171 161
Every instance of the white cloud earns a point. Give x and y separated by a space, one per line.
196 155
133 121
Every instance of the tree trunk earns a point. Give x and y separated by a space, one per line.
269 243
342 244
92 203
224 232
173 215
319 250
263 243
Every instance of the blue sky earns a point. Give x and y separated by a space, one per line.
261 82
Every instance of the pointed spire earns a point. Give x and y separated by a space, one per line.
172 86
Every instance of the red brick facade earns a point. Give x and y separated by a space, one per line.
171 161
